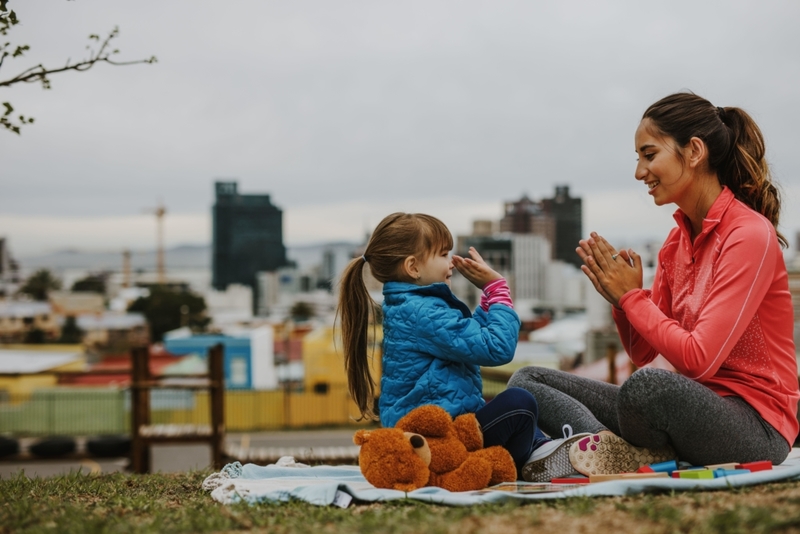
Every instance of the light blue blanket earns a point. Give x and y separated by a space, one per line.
340 485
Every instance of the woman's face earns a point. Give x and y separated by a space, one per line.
659 166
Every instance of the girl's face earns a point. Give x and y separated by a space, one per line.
437 267
660 167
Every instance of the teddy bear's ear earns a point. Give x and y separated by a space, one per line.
361 437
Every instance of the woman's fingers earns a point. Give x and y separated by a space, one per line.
604 251
596 283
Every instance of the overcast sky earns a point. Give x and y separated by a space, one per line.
346 111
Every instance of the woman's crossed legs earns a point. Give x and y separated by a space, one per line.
655 408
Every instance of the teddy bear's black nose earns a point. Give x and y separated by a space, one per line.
417 441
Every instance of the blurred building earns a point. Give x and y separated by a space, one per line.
526 216
28 322
9 271
568 215
794 289
322 359
522 259
248 355
232 306
76 302
23 369
558 219
113 332
247 238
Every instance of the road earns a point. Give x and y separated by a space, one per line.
181 458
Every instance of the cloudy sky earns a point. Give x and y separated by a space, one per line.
346 111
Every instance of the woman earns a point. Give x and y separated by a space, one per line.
719 310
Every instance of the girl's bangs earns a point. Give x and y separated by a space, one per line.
436 237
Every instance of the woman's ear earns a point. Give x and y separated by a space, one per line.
411 268
696 152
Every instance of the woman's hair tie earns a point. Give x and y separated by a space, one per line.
364 258
721 113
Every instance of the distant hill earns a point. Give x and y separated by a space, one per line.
180 257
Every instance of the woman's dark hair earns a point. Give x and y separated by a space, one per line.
396 237
735 147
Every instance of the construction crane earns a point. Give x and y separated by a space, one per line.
159 212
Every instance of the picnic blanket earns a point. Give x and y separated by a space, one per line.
340 485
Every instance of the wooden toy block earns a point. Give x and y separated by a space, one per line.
763 465
697 473
718 473
731 465
665 467
626 476
645 469
677 473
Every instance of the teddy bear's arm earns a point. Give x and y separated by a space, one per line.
469 431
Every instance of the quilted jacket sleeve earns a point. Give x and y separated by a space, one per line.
487 338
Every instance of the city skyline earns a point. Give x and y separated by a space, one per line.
344 113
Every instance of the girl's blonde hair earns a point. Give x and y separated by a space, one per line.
396 237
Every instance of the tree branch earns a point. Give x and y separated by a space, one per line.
40 73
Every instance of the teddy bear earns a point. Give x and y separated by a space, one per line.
428 448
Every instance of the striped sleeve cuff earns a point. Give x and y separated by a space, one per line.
496 292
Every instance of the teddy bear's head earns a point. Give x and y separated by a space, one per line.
393 459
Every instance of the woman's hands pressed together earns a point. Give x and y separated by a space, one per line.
612 273
475 269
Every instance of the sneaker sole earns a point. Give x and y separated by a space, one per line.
607 454
555 465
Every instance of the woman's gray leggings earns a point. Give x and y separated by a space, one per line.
654 408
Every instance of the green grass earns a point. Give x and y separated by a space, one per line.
165 503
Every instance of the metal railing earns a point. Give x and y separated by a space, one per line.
72 411
98 411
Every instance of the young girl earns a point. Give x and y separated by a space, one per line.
432 344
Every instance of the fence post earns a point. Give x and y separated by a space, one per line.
216 374
140 408
611 355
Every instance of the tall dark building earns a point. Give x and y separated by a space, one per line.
559 219
248 237
568 215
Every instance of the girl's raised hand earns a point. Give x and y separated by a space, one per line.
475 269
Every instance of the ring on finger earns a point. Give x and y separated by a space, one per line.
614 257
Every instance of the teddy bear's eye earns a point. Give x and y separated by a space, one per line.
416 441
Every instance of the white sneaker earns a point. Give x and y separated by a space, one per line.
551 459
605 453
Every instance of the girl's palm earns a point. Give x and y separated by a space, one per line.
475 269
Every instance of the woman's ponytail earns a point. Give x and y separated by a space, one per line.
745 171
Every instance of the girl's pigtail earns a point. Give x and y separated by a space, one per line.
745 171
355 305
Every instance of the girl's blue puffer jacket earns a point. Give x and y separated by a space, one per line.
433 347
